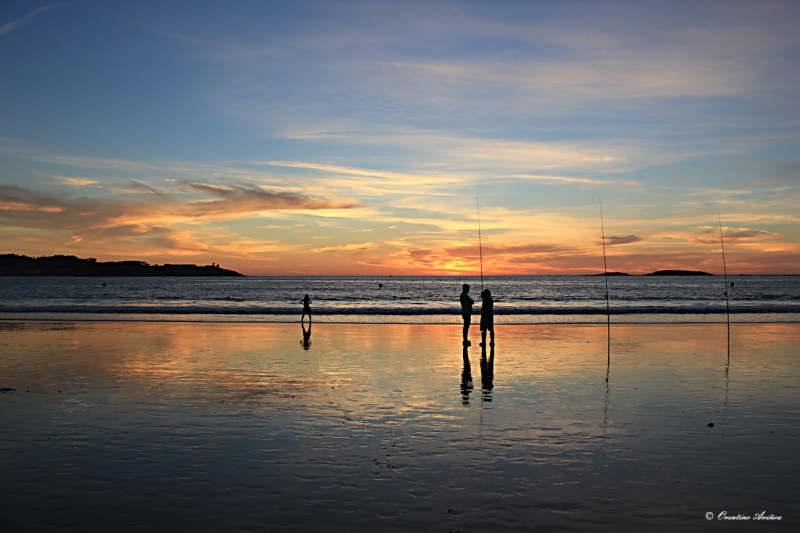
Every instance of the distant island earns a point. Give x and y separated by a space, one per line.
679 273
661 273
69 265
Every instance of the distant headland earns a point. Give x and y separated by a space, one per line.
662 273
69 265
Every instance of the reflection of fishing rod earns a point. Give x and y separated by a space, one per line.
725 271
727 383
480 245
608 368
608 374
605 404
605 271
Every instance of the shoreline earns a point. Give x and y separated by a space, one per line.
456 321
453 277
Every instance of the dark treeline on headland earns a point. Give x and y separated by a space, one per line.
69 265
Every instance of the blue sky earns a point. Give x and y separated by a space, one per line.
354 137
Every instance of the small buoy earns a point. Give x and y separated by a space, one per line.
711 424
731 284
380 284
104 284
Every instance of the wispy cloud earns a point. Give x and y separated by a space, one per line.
347 248
12 25
458 154
366 173
77 182
240 199
733 234
642 74
576 180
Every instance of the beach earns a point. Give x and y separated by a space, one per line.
131 426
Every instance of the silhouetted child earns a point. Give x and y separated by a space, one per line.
487 316
306 308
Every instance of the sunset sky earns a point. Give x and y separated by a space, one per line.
338 138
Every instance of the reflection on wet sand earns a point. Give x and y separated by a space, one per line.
487 374
237 427
466 377
306 342
139 359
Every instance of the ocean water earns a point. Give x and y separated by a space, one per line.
518 300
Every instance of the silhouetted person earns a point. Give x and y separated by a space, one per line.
306 308
306 335
487 374
466 379
466 311
487 317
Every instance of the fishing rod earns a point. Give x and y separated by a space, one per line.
480 244
725 271
605 270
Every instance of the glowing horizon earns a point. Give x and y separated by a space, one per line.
352 139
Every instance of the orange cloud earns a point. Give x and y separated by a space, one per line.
347 248
733 234
24 208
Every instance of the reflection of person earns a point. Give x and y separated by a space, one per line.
466 379
306 342
487 317
466 311
306 308
487 374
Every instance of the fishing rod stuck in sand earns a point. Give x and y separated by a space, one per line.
725 272
605 269
480 245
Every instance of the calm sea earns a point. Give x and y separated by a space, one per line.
518 300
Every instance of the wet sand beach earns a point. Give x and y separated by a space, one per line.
240 427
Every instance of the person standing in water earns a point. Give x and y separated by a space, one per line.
487 317
306 308
466 311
